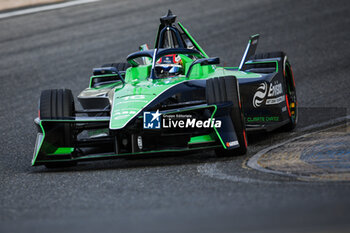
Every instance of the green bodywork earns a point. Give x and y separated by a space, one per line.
130 97
139 91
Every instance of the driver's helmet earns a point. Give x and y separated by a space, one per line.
168 66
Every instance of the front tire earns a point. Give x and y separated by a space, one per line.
58 104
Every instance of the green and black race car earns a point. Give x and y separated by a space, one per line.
173 98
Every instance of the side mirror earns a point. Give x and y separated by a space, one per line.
210 61
203 62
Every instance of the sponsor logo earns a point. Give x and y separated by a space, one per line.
233 143
264 92
155 120
134 97
275 90
118 115
260 95
263 119
274 100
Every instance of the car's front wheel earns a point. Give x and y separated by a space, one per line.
58 104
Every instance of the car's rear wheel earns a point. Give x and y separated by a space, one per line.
58 104
224 89
289 84
291 95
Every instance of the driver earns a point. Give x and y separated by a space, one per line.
169 66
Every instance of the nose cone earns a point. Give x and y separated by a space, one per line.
126 108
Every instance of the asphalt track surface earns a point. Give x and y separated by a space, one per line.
195 193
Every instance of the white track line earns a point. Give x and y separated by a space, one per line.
44 8
211 170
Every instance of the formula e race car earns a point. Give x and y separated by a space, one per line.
173 98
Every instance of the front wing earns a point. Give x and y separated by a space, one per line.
92 139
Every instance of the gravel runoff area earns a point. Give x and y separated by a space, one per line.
11 4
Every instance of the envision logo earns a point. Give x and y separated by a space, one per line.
260 95
263 91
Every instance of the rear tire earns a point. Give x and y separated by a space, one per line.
291 95
289 84
58 104
225 89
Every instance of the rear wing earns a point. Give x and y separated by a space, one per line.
250 49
